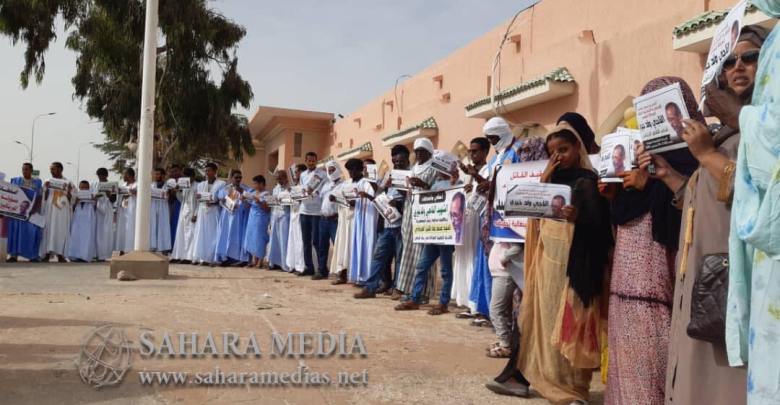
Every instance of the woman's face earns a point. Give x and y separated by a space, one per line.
741 76
568 154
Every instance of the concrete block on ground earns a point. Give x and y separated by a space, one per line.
142 265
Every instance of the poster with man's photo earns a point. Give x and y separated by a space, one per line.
536 200
510 228
723 42
437 216
444 162
16 202
618 154
385 209
660 116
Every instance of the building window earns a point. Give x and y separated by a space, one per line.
298 145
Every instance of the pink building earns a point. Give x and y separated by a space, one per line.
591 57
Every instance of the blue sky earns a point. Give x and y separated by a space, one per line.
320 55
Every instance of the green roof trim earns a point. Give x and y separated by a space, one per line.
705 20
366 147
561 75
429 123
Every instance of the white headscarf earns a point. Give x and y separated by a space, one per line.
424 143
336 175
498 126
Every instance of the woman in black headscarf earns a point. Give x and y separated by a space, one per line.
642 283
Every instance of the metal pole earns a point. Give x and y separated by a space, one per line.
146 137
32 134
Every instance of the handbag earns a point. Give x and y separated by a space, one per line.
708 301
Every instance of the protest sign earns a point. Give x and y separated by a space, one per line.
285 198
205 197
271 199
398 178
512 229
444 162
183 183
723 42
437 216
298 193
316 180
617 154
108 187
476 204
372 172
170 183
660 115
85 196
16 202
387 211
58 184
540 200
158 193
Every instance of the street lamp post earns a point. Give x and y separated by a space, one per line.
145 138
78 160
32 133
26 147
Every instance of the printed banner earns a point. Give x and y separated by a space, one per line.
723 42
539 200
388 212
16 202
158 193
660 115
108 187
618 154
437 216
298 193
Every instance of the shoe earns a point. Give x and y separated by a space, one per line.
185 262
510 388
407 306
305 273
396 295
342 278
365 293
318 277
174 261
61 259
383 288
12 259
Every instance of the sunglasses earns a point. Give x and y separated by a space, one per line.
749 57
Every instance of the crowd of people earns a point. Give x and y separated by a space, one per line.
613 285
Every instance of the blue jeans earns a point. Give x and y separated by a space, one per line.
327 233
310 231
387 246
428 257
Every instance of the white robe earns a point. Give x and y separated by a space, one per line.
463 267
104 225
205 238
125 221
81 245
342 246
57 210
183 248
295 240
160 222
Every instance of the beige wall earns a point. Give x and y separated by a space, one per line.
631 44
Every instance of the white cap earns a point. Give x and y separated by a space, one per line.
423 143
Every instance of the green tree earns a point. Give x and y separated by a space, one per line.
198 84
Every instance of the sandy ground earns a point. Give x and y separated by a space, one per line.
47 310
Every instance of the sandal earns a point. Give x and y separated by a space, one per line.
493 346
465 315
481 322
438 310
499 352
